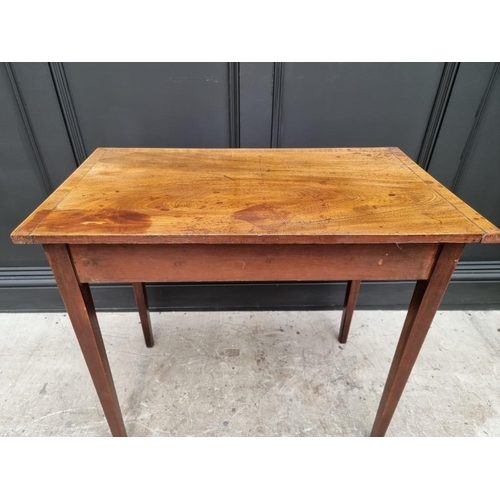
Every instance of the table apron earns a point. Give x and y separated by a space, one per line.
212 263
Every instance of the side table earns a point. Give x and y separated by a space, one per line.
214 215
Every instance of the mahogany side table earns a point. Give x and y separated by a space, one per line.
186 215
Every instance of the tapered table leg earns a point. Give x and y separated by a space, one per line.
78 301
142 305
351 297
424 304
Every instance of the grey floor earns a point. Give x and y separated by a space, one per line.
251 374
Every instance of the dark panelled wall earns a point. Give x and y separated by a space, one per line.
446 116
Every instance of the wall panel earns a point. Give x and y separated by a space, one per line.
54 115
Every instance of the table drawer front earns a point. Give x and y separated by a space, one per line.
177 263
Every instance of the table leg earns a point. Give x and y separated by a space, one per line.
424 304
142 305
78 301
351 296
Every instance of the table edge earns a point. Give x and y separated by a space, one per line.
491 233
23 234
332 239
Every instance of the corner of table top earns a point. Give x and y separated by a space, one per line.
491 233
23 232
492 237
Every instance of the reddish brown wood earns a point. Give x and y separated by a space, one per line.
491 232
141 299
78 301
351 296
424 304
22 234
249 196
178 263
173 215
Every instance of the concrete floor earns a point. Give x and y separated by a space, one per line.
251 374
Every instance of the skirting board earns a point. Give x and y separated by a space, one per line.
475 285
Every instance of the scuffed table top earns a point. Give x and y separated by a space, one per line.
354 195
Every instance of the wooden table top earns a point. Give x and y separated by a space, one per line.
365 195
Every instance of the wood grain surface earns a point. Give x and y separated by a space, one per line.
199 263
81 311
351 297
368 195
423 307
